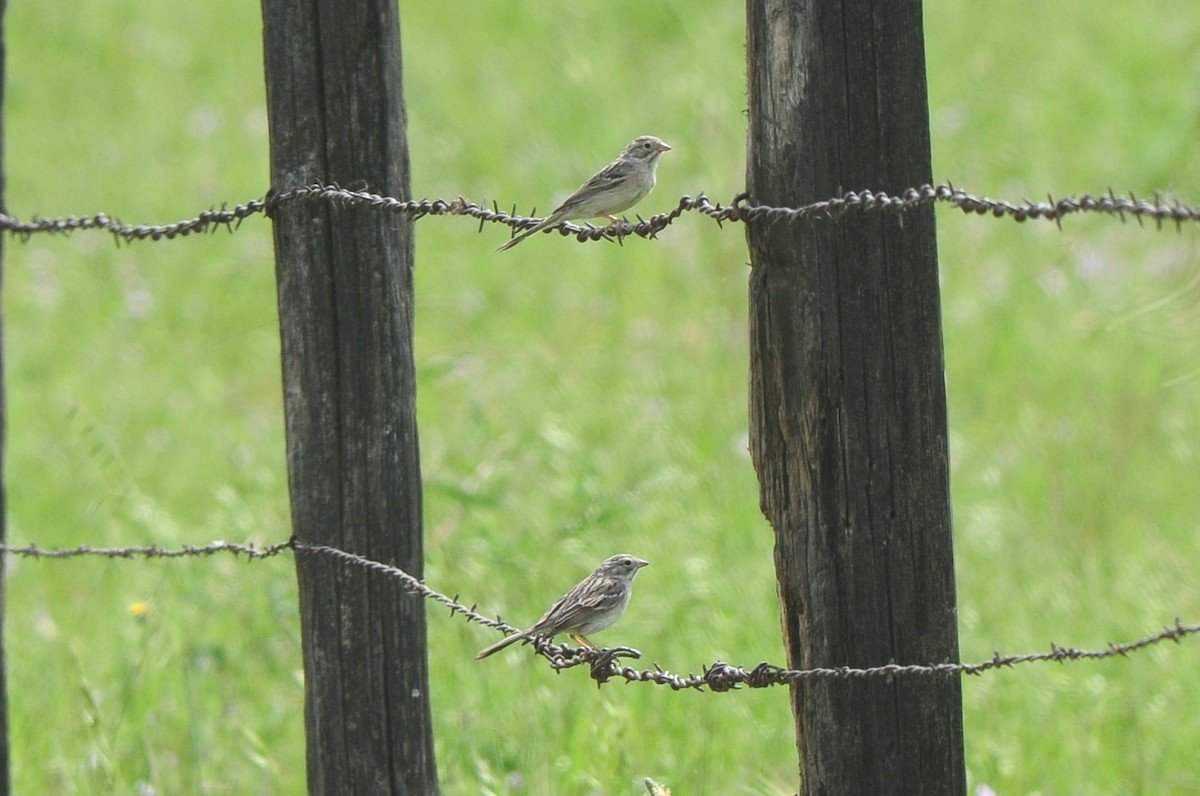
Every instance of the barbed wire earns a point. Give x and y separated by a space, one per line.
148 551
605 664
1158 210
407 582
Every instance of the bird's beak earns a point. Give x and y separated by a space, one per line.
663 146
639 561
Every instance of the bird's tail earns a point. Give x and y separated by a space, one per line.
519 238
504 642
548 221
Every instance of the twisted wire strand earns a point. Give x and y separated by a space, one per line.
1158 210
606 664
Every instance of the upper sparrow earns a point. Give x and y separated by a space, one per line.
594 604
617 187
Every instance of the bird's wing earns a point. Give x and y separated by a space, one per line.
613 174
574 607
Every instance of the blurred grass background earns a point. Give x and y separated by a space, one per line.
576 400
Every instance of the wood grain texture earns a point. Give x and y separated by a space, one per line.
336 112
847 395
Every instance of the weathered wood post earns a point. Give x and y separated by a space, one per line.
847 394
336 111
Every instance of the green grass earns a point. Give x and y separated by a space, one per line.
576 401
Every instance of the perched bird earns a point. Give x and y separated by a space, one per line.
617 187
594 604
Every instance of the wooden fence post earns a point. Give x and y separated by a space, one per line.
847 396
336 112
